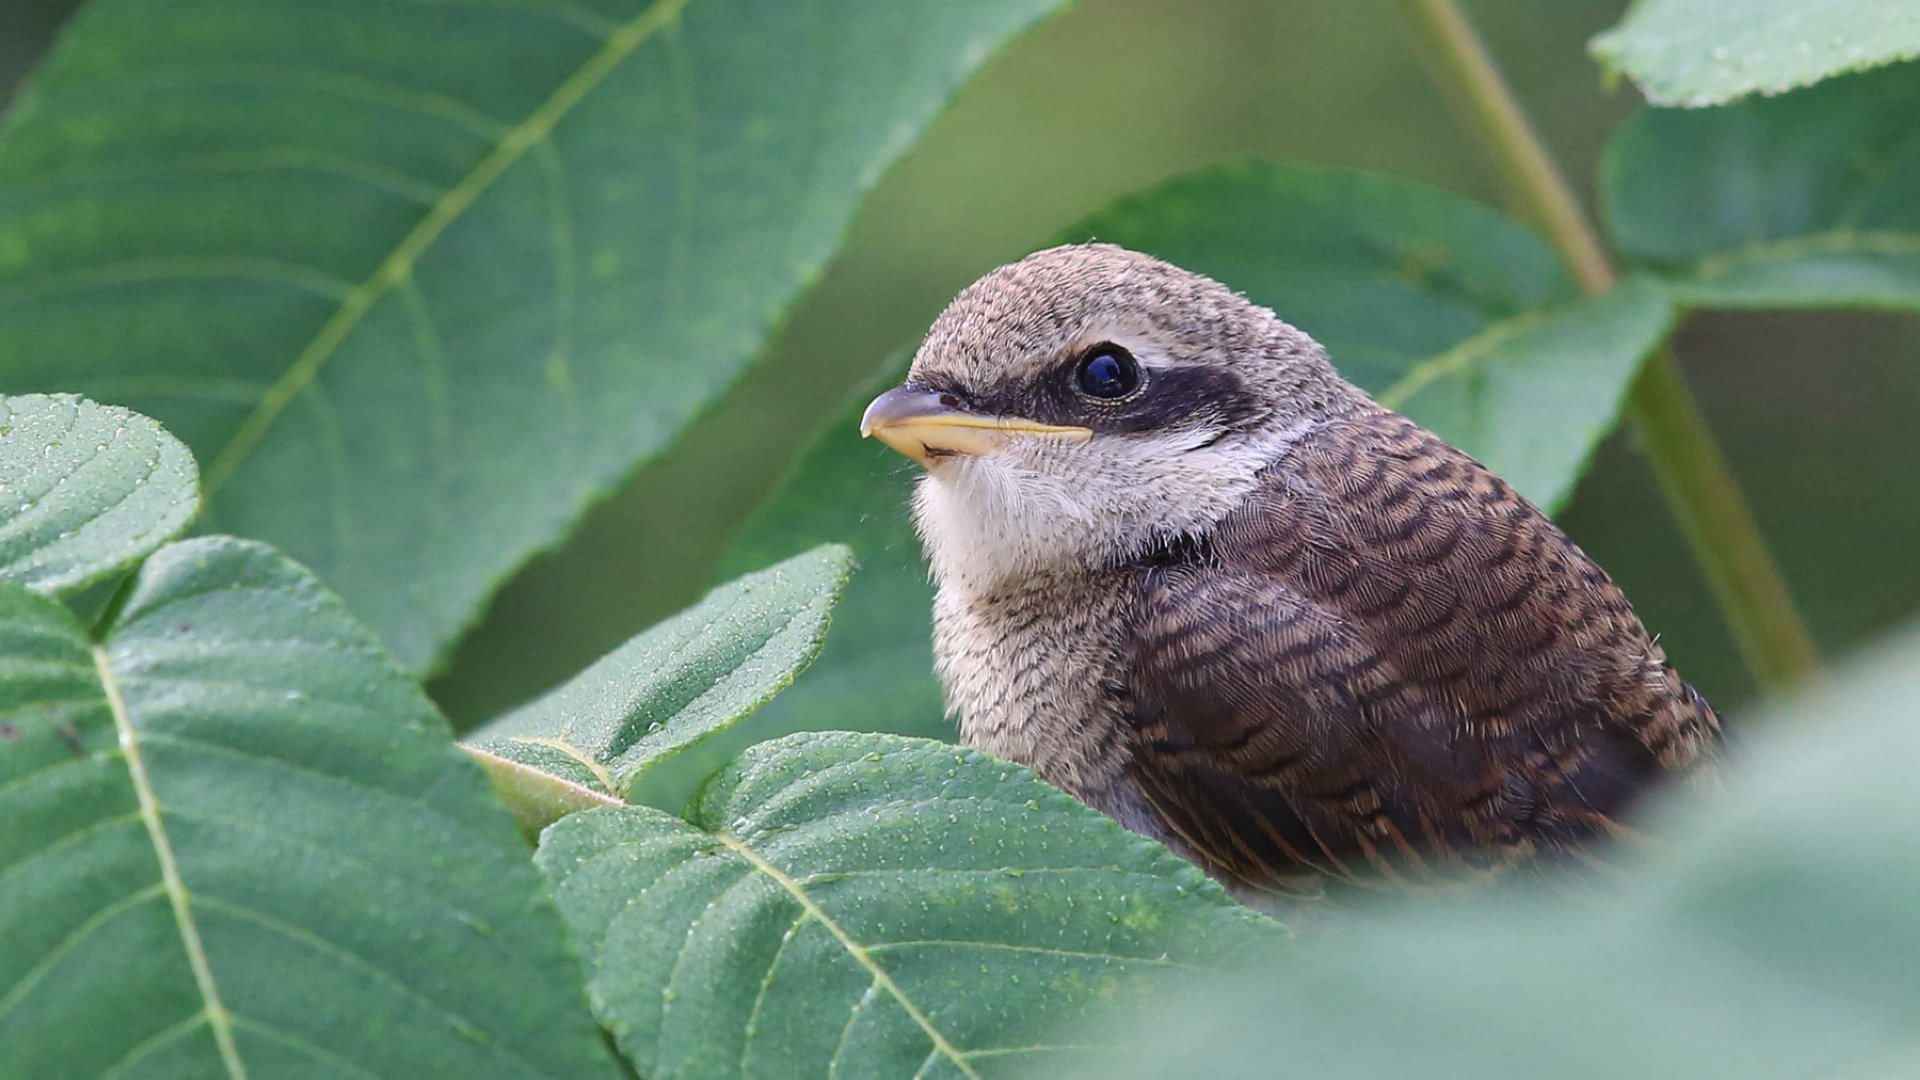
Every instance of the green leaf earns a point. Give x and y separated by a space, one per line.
682 681
869 905
1769 935
1537 392
85 490
1709 52
418 281
1808 200
876 672
240 841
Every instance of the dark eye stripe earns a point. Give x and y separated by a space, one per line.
1178 396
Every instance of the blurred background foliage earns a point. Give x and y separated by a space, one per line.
1814 409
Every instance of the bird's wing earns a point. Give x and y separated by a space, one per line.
1277 744
1387 647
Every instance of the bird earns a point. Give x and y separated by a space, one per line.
1195 579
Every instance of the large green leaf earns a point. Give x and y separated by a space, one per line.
679 683
874 906
85 490
419 280
1770 937
1708 52
1807 200
239 841
1439 306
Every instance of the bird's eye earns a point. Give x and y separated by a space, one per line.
1107 371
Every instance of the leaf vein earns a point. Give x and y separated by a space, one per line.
1829 242
72 836
1460 358
177 895
145 1047
854 949
186 268
867 997
506 152
289 157
573 14
108 912
459 914
766 984
584 757
306 770
348 958
1041 950
287 1038
433 387
346 84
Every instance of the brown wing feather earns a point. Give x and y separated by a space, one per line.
1389 656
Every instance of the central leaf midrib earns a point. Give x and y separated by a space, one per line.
686 677
398 265
219 1020
1462 355
854 949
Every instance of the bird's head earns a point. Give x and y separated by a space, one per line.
1083 405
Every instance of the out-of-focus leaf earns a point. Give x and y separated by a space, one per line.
1537 392
418 281
679 683
1769 937
874 906
1709 52
239 840
1807 200
85 490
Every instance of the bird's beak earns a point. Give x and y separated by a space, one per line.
925 424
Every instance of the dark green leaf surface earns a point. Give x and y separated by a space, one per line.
240 842
1709 52
85 490
419 280
1808 200
874 906
680 682
1771 937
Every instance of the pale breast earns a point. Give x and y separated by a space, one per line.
1035 675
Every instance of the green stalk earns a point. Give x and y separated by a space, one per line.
1700 491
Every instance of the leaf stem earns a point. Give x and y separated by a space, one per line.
1719 526
1701 492
536 799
